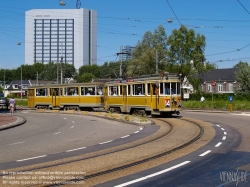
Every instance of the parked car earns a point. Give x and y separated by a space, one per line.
4 102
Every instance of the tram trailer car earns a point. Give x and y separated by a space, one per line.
152 95
77 96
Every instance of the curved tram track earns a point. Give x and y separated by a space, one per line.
174 134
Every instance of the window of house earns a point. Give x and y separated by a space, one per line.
209 87
220 87
15 86
230 87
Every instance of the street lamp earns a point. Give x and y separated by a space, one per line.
4 83
19 43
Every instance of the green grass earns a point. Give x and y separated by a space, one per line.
216 104
23 102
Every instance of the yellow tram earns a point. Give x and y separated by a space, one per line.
77 96
154 94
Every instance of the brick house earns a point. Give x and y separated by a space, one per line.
224 79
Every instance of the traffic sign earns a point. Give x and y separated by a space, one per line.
230 98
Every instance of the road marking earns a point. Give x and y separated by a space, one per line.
31 158
225 133
73 122
136 131
106 142
218 144
222 129
17 143
203 154
224 137
153 175
64 118
24 112
75 149
217 125
72 127
141 128
125 136
57 133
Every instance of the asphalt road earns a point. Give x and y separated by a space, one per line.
219 163
54 135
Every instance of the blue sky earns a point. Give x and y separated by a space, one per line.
225 24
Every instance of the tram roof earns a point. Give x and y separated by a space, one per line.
67 85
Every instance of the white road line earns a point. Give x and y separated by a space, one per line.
64 118
73 122
203 154
222 129
224 137
57 133
125 136
218 144
75 149
152 175
225 133
106 142
136 131
24 112
141 128
16 143
72 127
31 158
217 125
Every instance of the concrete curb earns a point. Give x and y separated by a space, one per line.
21 120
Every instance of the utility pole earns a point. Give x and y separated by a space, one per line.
61 64
156 62
21 83
122 53
4 84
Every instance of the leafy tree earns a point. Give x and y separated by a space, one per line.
93 69
186 55
243 78
144 56
85 77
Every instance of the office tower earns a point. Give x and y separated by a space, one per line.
61 35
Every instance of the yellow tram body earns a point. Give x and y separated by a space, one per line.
156 95
66 96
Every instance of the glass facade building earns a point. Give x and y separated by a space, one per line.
67 36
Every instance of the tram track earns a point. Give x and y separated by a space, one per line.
114 160
107 162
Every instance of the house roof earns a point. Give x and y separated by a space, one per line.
227 74
41 82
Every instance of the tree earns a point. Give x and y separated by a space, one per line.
243 78
93 69
186 55
85 77
144 56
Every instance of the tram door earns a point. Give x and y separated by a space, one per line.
31 93
106 98
154 92
124 98
55 96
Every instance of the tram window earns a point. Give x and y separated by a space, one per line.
138 89
41 92
113 90
173 88
99 90
129 90
178 88
120 93
55 91
167 88
88 90
71 91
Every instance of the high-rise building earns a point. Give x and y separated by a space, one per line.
126 52
61 35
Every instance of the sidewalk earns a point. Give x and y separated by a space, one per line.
7 121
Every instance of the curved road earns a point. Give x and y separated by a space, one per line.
225 161
46 137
